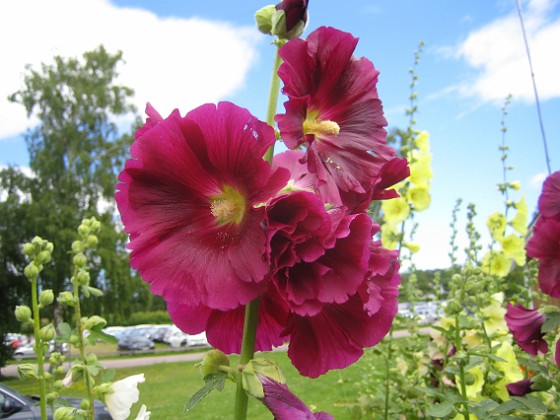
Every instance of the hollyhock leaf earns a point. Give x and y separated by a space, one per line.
189 199
211 382
440 410
549 200
552 322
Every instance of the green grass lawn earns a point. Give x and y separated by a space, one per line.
169 385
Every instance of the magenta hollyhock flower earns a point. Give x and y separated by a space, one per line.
317 256
525 325
284 405
544 245
549 200
190 200
519 388
334 110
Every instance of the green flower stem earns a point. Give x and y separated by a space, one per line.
388 364
39 349
273 97
247 353
83 356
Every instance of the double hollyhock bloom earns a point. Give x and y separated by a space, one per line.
335 112
213 226
544 245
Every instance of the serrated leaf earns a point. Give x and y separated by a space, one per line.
440 410
109 375
212 381
507 407
552 323
429 391
93 369
65 331
100 335
532 403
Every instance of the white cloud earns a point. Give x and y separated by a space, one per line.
497 51
170 62
537 180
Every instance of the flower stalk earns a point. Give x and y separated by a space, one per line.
39 349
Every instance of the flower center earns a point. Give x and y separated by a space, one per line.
228 207
312 125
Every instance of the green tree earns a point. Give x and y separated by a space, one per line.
75 153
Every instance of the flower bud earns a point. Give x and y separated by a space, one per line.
43 257
59 370
46 297
84 405
47 333
254 370
264 19
95 225
94 321
51 396
31 271
74 340
29 249
290 19
91 241
80 260
77 246
65 413
82 277
212 361
91 358
23 313
27 371
66 298
83 230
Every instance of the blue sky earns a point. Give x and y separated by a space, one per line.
184 53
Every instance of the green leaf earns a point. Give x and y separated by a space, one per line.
532 403
507 407
552 322
109 375
212 381
95 335
440 410
65 331
93 369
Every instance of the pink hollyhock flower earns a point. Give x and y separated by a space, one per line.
519 388
544 245
317 256
189 199
284 405
549 201
334 110
525 325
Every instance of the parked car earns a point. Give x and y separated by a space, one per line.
16 406
180 339
27 350
135 342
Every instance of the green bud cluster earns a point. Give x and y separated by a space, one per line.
39 251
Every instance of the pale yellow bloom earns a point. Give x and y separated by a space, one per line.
516 185
497 225
496 263
421 168
412 247
472 339
475 383
389 236
419 196
510 368
422 141
494 315
519 221
514 247
396 210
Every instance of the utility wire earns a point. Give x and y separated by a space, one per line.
547 158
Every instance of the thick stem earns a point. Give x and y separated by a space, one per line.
39 349
247 353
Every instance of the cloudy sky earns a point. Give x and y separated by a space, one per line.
180 54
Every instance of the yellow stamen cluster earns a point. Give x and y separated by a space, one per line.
228 207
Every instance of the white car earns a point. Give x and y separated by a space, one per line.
180 339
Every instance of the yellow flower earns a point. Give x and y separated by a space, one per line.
475 382
496 263
497 225
514 247
389 236
412 247
519 221
422 141
510 368
421 168
494 315
472 339
419 196
396 210
516 185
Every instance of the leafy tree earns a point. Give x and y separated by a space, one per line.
75 152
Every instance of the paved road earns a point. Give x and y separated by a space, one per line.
11 370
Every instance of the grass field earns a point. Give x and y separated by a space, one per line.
169 385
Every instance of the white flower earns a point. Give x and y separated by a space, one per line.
67 381
143 414
124 394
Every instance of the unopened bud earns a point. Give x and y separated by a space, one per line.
83 230
94 321
31 271
80 260
84 405
77 246
91 241
65 413
29 249
27 371
82 277
264 19
47 333
66 298
43 257
46 297
23 313
212 361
